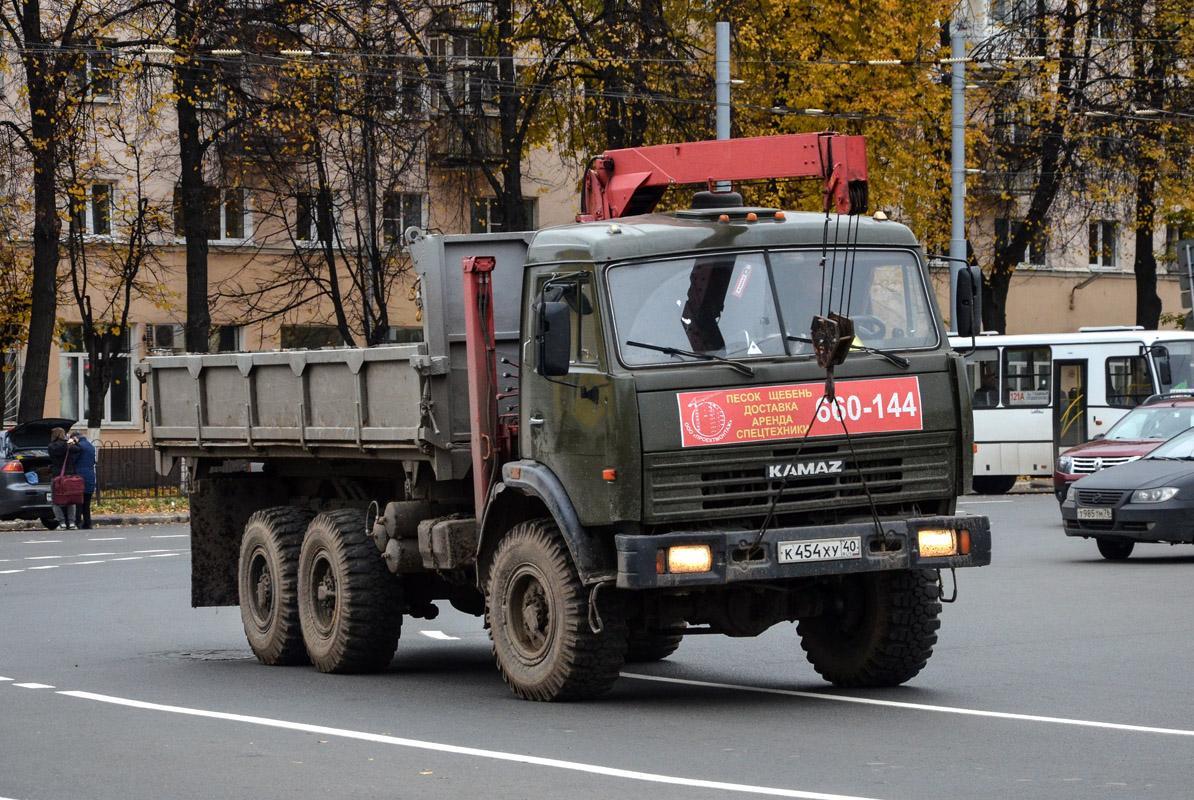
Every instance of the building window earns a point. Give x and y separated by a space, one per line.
466 81
400 210
74 367
168 338
91 210
1102 244
487 216
404 334
309 337
95 72
1034 252
225 210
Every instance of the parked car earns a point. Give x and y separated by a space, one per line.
25 470
1136 434
1150 499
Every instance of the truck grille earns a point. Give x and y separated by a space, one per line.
1085 466
713 483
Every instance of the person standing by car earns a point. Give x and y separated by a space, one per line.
85 469
62 461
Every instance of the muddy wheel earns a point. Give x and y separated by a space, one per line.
1114 550
877 629
538 615
653 645
350 605
268 595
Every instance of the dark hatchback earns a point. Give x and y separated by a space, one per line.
25 470
1148 500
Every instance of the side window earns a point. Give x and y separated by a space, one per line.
577 291
982 368
1128 381
1026 376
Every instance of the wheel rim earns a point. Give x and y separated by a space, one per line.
323 592
529 609
261 588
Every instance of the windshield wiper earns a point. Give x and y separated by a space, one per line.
675 351
898 361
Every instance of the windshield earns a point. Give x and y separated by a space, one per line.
747 305
1152 422
1180 358
1180 446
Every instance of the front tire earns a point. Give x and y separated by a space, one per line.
266 584
993 484
350 605
538 615
1114 550
877 629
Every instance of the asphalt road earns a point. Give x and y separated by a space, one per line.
1057 675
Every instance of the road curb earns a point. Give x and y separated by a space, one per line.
101 520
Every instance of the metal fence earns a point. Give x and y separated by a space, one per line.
129 471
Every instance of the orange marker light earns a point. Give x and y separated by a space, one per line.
609 474
752 217
780 216
724 218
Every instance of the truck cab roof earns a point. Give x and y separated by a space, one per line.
689 231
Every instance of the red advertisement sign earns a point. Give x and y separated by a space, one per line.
769 413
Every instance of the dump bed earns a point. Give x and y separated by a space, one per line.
406 401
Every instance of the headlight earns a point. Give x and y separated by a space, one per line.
1065 464
1154 495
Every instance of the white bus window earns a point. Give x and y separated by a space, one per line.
1026 375
982 368
1128 381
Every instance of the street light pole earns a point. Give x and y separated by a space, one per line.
957 239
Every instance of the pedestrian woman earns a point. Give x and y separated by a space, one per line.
85 469
62 460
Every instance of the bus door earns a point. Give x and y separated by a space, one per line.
1071 387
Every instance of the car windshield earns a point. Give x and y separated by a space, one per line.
1152 422
1180 446
760 304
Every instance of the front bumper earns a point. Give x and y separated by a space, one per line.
734 561
1171 521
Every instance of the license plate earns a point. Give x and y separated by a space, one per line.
1094 513
820 550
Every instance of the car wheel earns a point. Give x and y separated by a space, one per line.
1115 550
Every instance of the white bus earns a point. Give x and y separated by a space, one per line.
1036 395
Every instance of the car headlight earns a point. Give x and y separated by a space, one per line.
1065 464
1159 495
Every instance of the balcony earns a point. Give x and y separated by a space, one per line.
450 145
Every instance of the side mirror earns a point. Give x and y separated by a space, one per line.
967 320
553 336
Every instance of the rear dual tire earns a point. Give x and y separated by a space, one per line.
267 584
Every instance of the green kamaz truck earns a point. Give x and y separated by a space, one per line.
615 434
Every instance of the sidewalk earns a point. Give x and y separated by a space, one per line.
100 520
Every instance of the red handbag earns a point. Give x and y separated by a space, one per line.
68 489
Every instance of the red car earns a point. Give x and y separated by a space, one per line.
1136 434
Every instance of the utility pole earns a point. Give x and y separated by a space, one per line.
957 240
722 84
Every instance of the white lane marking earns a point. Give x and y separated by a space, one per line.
46 566
108 539
159 550
128 558
982 502
497 755
5 679
81 563
170 536
973 712
41 558
43 541
439 635
10 571
165 555
92 555
34 685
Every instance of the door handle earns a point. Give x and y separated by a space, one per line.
535 421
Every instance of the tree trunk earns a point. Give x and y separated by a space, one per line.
1148 304
191 188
